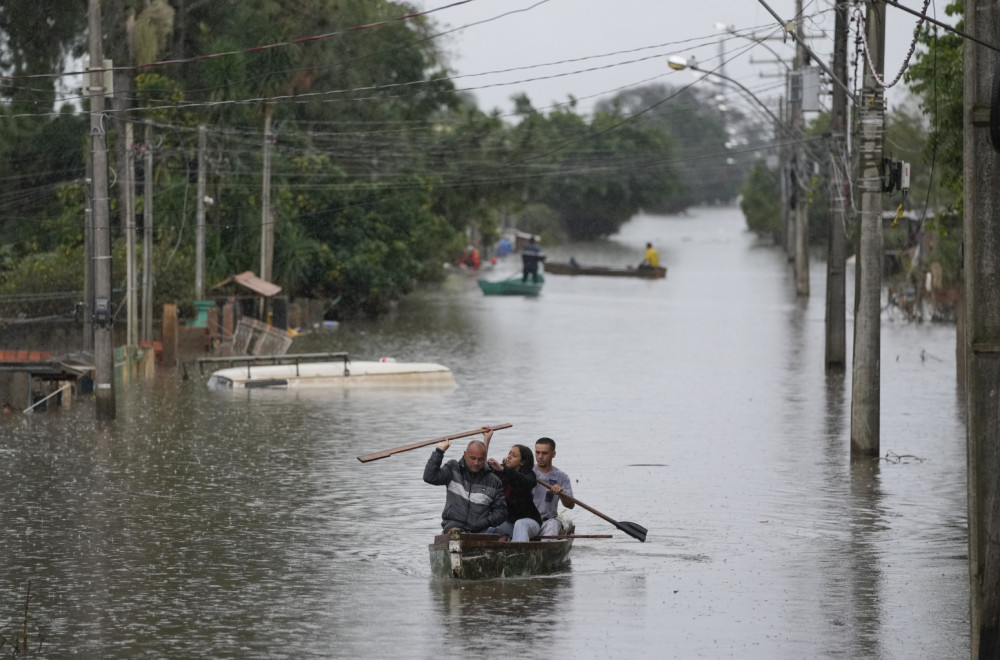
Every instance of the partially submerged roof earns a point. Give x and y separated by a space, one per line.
44 365
250 281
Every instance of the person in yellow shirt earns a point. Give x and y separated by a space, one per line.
652 257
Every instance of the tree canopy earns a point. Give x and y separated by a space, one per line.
381 170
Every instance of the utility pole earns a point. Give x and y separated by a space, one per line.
801 179
785 169
982 323
199 267
147 237
104 362
836 280
865 395
132 330
266 221
88 257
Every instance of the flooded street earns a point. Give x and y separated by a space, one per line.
241 525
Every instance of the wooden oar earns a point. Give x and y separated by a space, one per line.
577 536
630 528
417 445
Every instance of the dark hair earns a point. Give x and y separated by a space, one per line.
527 458
546 441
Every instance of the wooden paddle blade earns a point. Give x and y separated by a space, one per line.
633 530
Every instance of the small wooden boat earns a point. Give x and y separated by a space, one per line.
512 286
650 273
344 374
483 556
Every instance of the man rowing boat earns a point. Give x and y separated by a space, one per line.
547 499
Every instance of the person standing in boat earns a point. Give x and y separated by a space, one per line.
474 500
531 254
518 476
546 500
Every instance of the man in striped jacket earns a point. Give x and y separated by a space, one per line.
475 495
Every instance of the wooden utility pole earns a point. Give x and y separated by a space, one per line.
865 395
199 263
982 323
801 180
103 316
147 237
836 279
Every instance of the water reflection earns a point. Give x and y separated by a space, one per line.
515 615
865 554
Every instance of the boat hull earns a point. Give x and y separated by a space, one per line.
483 557
332 374
555 268
512 287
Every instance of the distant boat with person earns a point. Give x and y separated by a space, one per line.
512 286
567 268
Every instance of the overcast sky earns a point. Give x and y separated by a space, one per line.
551 49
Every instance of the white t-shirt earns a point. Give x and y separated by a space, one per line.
546 501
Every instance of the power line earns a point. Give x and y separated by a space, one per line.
949 28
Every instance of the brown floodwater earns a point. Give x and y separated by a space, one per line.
241 525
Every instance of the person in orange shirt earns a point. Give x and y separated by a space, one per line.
471 258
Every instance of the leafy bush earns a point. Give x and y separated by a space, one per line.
760 202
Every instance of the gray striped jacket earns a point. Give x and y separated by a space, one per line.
475 499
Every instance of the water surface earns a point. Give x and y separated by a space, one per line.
241 525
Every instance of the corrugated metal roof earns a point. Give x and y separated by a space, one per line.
252 282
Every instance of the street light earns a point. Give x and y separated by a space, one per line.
678 63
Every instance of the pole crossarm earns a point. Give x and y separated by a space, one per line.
801 42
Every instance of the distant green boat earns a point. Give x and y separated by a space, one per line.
512 286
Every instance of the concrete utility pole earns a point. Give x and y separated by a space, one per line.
88 257
865 401
801 210
132 307
199 264
103 316
836 280
982 323
266 220
147 237
785 169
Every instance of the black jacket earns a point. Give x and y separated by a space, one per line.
517 490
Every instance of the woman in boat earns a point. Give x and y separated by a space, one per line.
518 476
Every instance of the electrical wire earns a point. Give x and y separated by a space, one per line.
862 30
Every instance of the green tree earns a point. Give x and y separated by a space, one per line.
936 78
594 175
708 170
760 200
37 39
